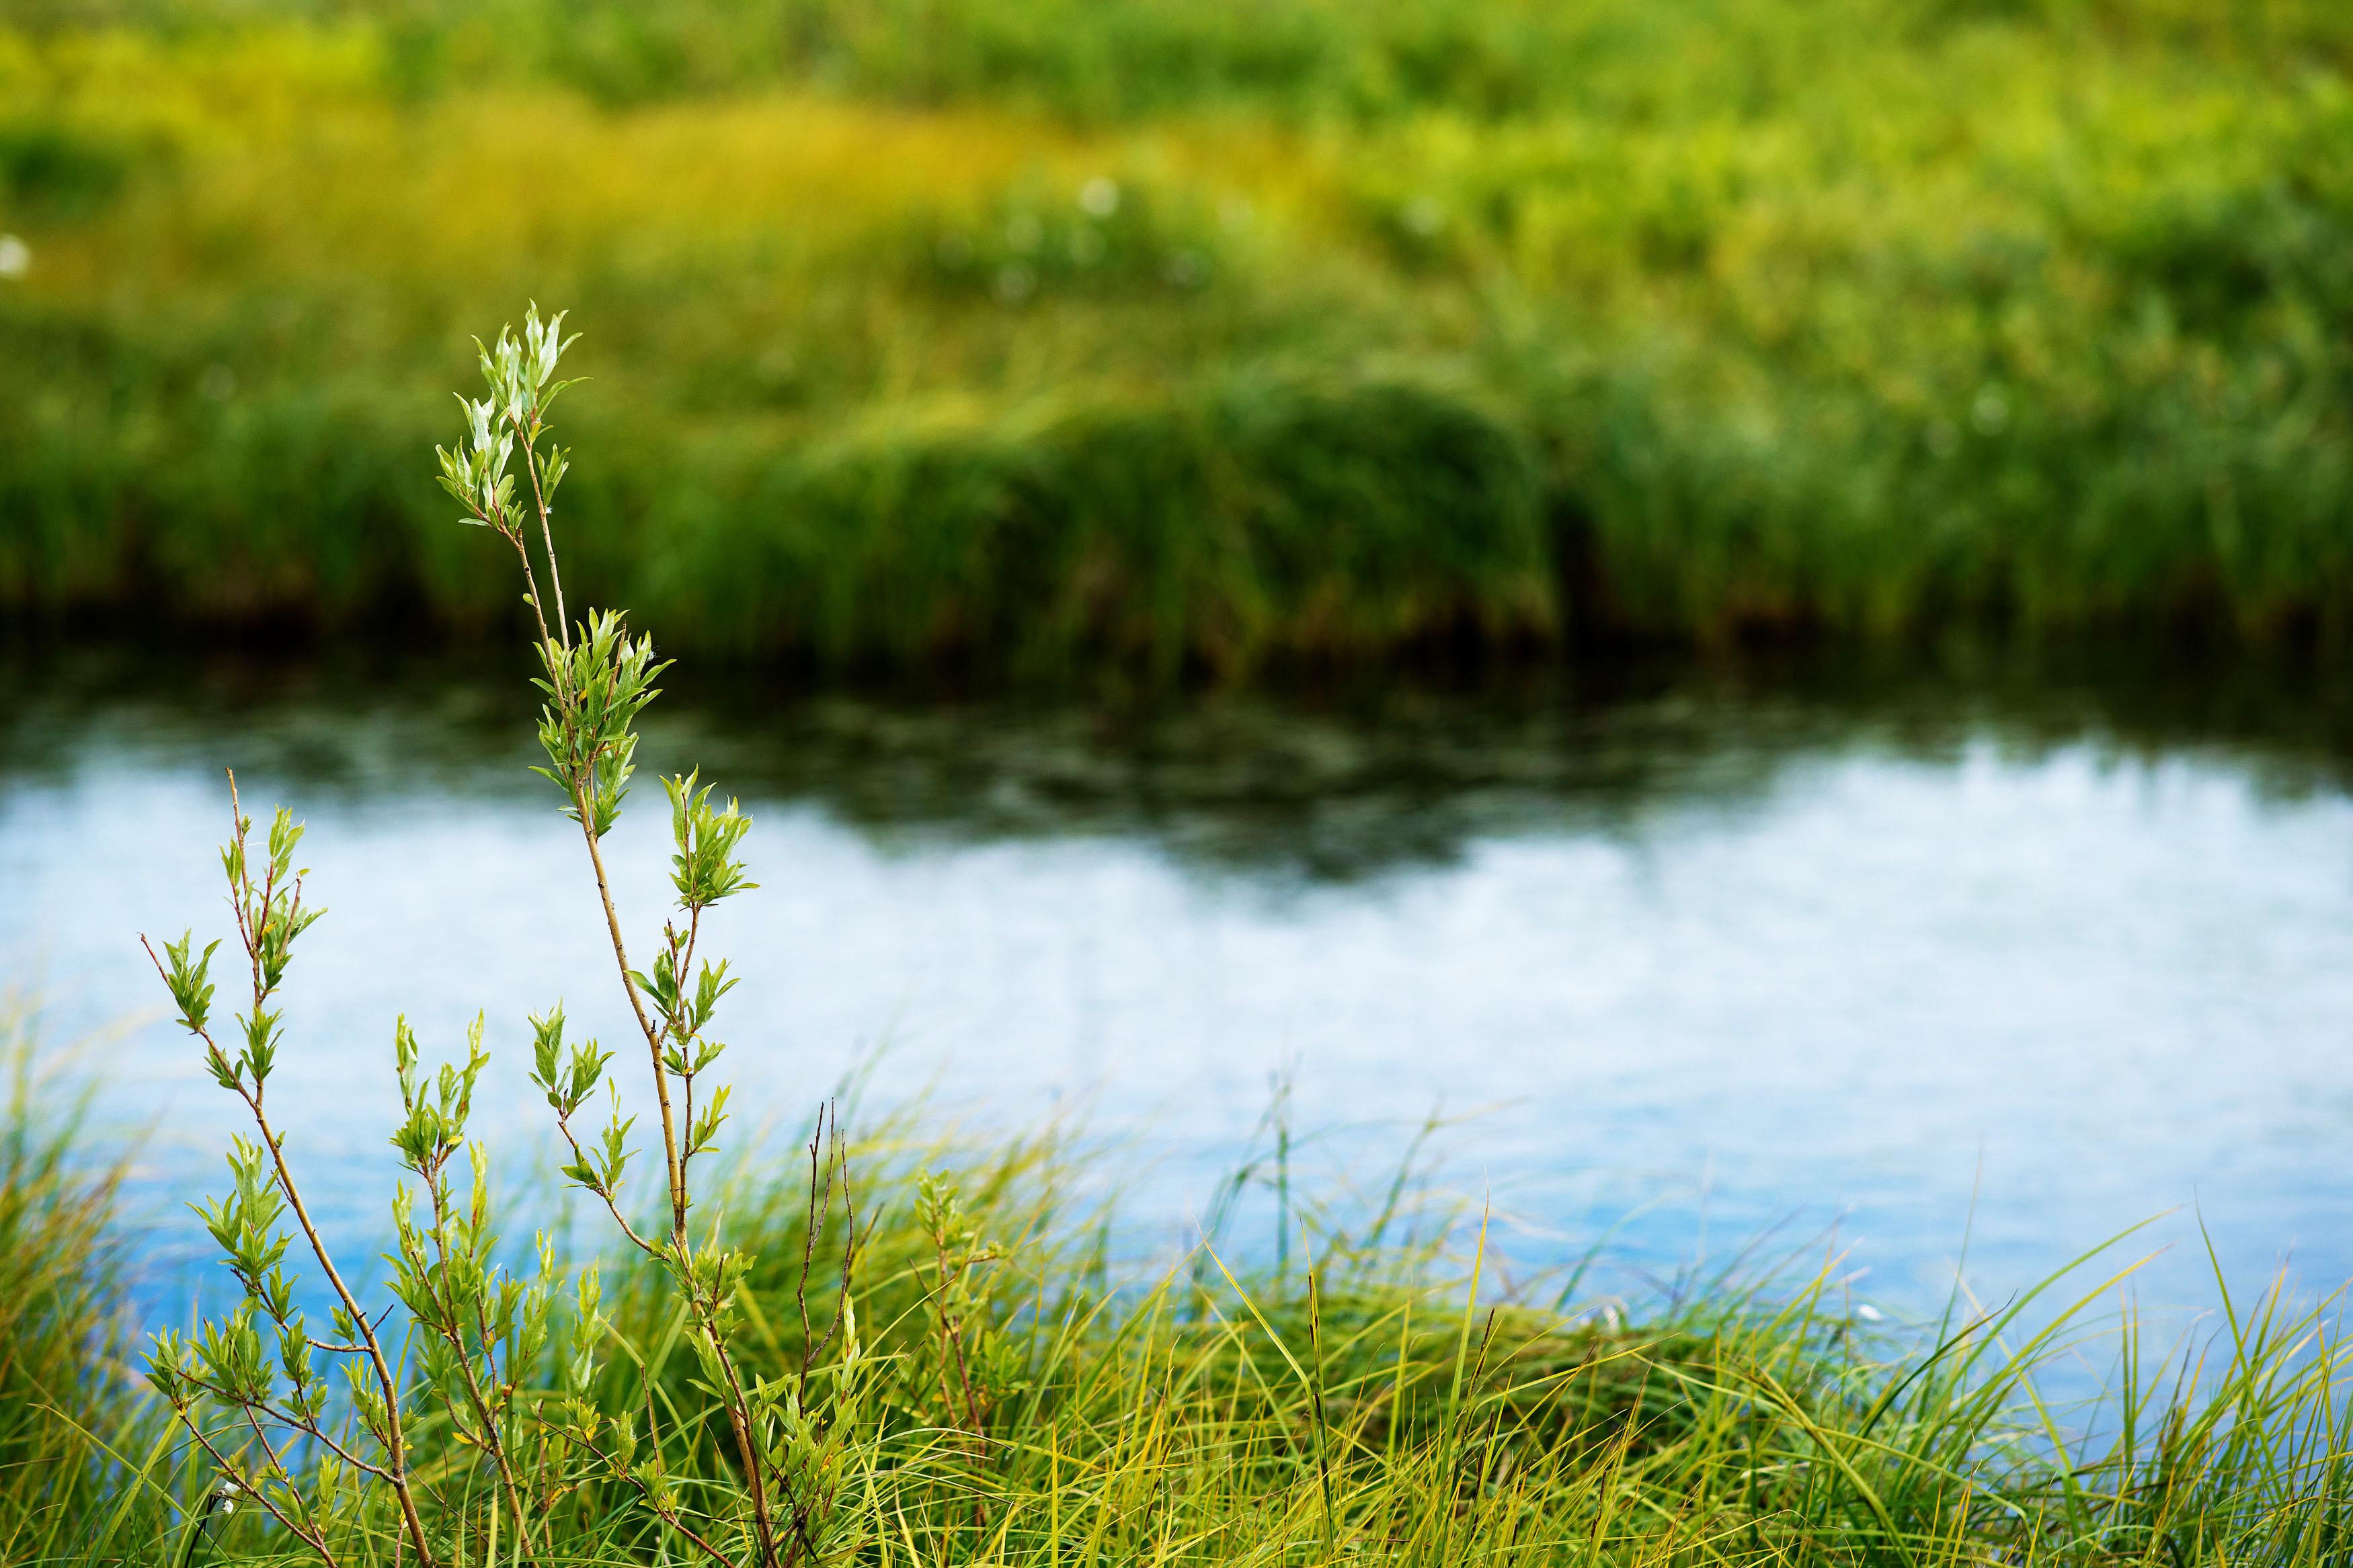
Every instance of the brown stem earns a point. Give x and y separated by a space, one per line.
249 926
819 1210
686 964
746 1449
849 1237
739 1417
811 1218
494 1442
693 936
396 1444
312 1538
580 1158
453 1332
337 1347
531 584
668 1516
837 1165
243 1482
398 1449
673 1164
309 1428
645 1024
953 1331
546 533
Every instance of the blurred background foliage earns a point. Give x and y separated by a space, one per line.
1195 336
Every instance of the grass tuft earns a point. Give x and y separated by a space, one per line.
66 1392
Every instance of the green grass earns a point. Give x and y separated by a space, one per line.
64 1386
1377 1401
1414 324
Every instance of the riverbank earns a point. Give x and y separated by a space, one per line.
1377 1393
1963 320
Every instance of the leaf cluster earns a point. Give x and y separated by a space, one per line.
520 372
595 687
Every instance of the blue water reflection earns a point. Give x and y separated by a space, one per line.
1693 960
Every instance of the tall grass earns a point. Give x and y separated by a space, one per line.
1379 1398
1866 317
65 1388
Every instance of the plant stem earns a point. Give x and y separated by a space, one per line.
546 530
747 1449
395 1443
452 1331
398 1444
638 1007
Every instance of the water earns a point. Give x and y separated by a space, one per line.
1858 963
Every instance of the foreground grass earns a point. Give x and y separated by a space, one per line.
62 1336
1372 1402
1009 331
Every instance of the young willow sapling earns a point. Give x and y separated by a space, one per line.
471 1360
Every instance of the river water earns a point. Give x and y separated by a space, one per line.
1700 962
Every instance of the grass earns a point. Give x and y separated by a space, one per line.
63 1328
1378 1399
925 367
1146 334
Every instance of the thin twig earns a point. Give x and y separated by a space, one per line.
492 1438
242 1481
314 1538
580 1156
546 530
396 1446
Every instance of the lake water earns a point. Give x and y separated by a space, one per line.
1872 961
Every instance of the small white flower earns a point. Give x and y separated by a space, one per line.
15 257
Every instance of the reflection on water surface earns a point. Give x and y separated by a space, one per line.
2025 951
